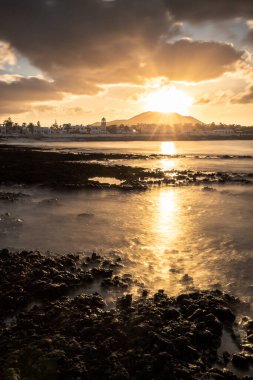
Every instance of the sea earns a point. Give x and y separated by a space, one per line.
175 238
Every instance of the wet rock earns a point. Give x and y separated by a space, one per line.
125 302
132 341
250 338
85 215
171 314
226 357
208 189
116 282
8 221
29 275
150 337
144 293
240 361
12 197
4 253
70 171
204 337
49 202
249 326
225 315
186 279
218 374
94 258
101 272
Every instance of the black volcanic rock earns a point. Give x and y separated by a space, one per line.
63 337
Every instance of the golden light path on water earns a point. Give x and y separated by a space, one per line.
166 227
168 148
172 256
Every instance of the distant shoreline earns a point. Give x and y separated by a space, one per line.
64 138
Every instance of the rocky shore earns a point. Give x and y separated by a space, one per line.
54 327
59 170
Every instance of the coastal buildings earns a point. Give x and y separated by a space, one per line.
225 132
139 130
98 129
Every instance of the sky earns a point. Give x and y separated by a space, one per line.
80 60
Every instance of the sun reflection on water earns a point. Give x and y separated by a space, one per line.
167 205
166 230
168 147
165 224
167 164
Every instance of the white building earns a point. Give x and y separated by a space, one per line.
213 132
2 129
98 129
222 132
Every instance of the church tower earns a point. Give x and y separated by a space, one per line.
103 122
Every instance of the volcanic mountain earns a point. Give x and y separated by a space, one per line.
157 118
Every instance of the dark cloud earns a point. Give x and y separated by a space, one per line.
249 37
59 36
16 97
7 56
196 60
24 89
9 109
83 44
205 10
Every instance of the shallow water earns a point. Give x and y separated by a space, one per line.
104 180
171 238
184 163
229 147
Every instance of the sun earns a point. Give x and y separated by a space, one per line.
168 100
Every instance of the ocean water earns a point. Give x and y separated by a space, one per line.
179 238
229 147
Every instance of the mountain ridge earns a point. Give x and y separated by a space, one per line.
158 118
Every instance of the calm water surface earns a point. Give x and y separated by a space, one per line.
171 238
163 234
234 147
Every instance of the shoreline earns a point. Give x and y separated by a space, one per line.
78 138
70 171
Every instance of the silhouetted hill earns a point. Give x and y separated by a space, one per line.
161 118
157 118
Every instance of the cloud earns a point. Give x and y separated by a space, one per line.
27 89
196 60
62 37
16 96
246 97
7 55
250 24
8 109
202 100
83 45
68 110
198 10
249 37
216 98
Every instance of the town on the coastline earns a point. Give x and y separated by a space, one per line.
9 128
